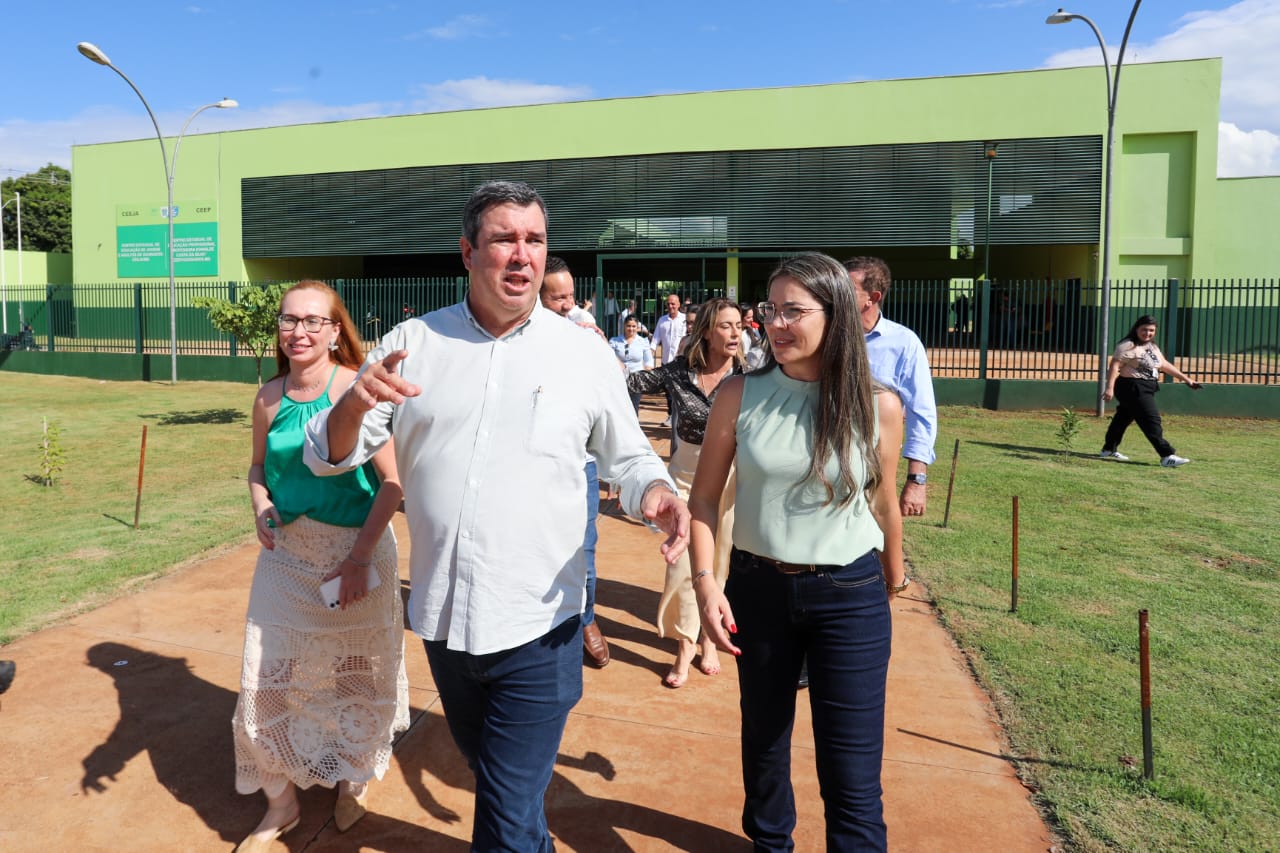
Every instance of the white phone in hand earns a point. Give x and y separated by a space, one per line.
329 589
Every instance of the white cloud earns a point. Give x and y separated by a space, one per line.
1245 35
477 92
459 27
1243 153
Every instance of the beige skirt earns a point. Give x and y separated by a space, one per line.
322 692
678 607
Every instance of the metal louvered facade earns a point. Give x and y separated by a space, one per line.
1045 191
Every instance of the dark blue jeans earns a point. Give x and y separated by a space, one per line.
589 541
840 620
507 712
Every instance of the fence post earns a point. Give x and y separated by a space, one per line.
1174 292
231 297
138 321
459 288
984 327
48 313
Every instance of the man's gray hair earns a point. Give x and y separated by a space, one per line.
492 193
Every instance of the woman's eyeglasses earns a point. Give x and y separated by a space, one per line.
288 322
766 311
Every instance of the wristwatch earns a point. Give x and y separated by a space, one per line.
918 479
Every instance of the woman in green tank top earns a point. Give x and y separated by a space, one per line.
322 687
817 553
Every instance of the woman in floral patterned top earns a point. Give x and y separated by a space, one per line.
713 355
1133 378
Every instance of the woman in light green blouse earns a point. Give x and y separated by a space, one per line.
817 553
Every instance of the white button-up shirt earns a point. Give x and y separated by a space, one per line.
490 458
668 334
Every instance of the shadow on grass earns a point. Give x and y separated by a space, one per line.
118 520
203 416
1015 759
1023 452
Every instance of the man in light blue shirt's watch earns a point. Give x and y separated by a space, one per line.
898 359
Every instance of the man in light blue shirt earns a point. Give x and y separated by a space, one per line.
898 360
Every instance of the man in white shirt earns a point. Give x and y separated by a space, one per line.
557 295
491 432
667 335
898 359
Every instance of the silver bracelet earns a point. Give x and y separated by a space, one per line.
363 564
701 575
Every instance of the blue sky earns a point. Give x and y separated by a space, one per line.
289 63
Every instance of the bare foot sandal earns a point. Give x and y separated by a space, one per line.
710 663
679 673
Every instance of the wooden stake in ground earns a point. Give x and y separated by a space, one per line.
1013 597
142 458
1144 658
955 454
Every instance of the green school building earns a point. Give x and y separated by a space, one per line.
708 189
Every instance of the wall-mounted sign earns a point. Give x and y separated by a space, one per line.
142 233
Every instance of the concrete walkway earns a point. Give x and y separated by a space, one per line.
115 735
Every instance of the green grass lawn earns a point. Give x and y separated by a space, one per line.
1195 546
1099 541
73 545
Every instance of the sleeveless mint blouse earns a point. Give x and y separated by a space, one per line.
343 500
777 515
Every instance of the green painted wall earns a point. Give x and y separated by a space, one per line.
37 267
1173 103
1246 227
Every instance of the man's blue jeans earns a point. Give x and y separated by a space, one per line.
590 539
507 712
841 621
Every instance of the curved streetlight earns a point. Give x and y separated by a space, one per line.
4 287
1113 93
94 53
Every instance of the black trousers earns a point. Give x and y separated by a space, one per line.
1136 401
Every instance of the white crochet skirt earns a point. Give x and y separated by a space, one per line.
322 692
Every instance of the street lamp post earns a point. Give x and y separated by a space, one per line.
4 287
94 53
1113 93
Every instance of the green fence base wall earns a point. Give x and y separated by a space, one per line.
134 368
1234 401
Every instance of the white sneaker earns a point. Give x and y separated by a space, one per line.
1173 461
1113 454
667 422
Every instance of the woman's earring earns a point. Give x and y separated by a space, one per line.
333 346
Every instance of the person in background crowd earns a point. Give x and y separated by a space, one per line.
1133 378
634 354
714 353
667 335
898 360
556 295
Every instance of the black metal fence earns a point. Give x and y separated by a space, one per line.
1225 331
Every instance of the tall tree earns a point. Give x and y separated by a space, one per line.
46 210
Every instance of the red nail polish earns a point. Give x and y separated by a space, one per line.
733 629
